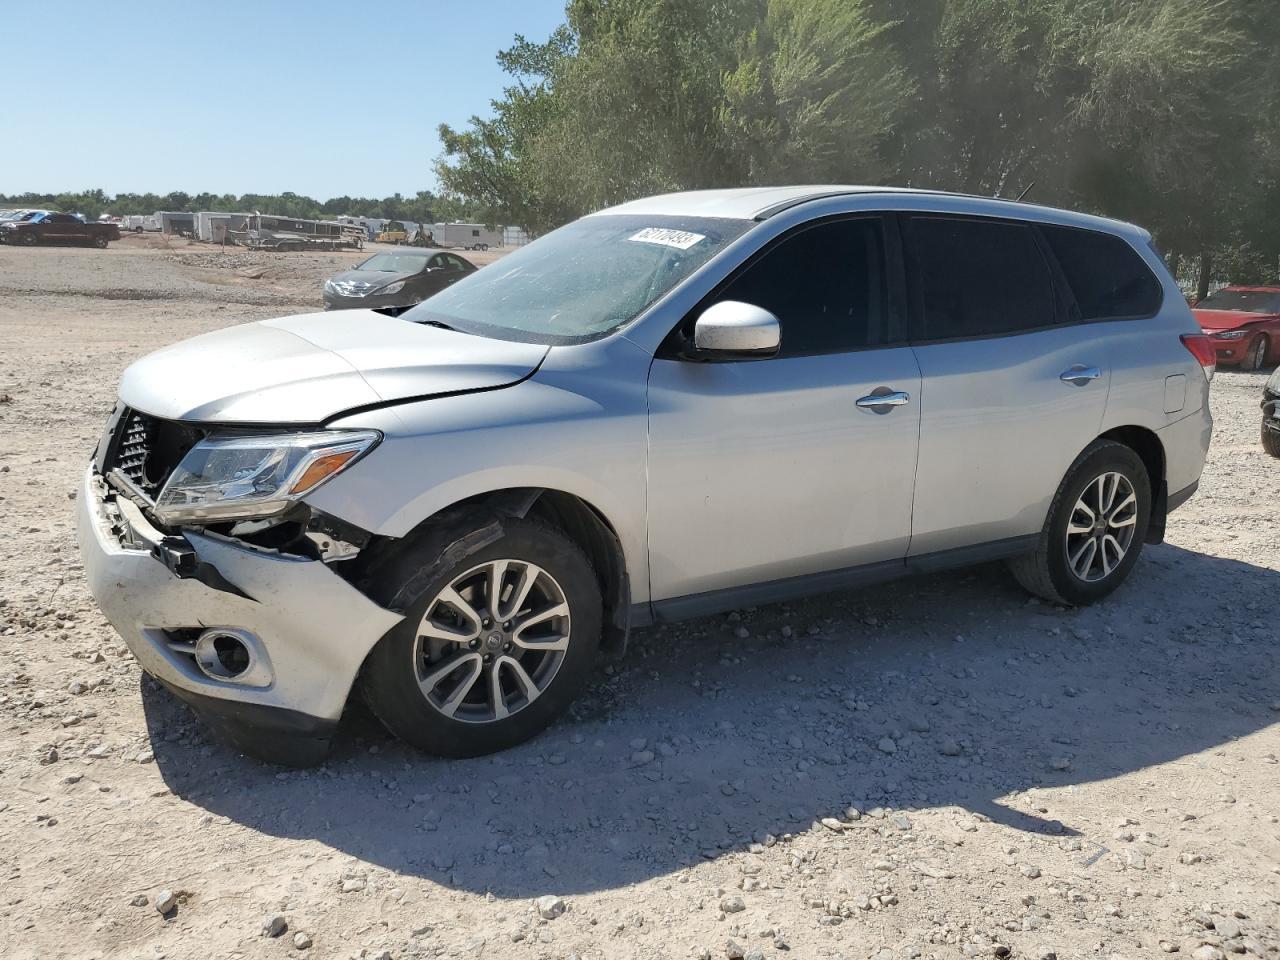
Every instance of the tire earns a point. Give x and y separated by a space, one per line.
417 652
1048 571
137 229
100 242
1270 441
1256 355
28 239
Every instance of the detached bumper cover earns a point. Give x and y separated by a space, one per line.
315 627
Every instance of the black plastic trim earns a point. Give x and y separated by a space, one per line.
791 588
272 734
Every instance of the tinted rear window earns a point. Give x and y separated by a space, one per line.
1106 275
980 278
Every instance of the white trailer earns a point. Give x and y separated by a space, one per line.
467 236
139 223
212 226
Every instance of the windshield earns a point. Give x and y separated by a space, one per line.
580 281
1246 301
394 263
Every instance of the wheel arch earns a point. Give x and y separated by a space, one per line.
482 515
1146 443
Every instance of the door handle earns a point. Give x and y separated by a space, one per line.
1079 374
880 402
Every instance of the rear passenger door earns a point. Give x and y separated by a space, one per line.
1013 387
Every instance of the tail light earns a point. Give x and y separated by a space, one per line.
1203 350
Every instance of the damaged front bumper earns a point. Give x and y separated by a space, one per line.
307 629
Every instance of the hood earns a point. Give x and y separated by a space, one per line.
307 369
1227 319
373 278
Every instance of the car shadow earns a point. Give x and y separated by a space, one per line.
949 691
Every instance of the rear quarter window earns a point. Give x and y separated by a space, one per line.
1107 276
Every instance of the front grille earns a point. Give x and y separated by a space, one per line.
145 450
134 450
353 288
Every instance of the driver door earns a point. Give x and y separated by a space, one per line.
761 471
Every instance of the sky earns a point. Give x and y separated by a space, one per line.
318 97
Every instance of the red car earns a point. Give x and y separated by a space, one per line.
1244 324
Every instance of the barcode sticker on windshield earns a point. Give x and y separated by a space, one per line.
680 239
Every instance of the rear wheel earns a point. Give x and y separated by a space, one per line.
495 643
1256 355
100 242
1095 528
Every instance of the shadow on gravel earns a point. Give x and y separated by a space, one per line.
699 742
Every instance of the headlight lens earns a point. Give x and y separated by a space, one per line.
391 287
328 286
1230 334
251 477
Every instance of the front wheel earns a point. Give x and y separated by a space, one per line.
1270 440
1256 355
100 242
1095 528
495 643
28 239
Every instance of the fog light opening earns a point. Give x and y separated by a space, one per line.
225 654
232 654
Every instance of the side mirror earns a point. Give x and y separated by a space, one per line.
731 330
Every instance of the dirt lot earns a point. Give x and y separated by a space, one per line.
936 768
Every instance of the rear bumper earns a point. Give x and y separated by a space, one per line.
313 629
1186 445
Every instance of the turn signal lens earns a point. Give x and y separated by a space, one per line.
326 466
1203 350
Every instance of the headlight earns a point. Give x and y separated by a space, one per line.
390 288
251 477
328 286
1230 334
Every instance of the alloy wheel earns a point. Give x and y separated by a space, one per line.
1101 527
491 642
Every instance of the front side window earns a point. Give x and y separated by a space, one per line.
582 281
979 278
825 284
1106 275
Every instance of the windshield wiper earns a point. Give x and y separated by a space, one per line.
438 323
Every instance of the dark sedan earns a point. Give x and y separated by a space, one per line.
397 278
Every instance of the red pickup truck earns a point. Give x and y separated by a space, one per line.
57 228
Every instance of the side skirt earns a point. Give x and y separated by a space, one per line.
791 588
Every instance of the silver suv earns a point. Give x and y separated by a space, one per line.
678 406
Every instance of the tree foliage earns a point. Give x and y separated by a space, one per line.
1166 112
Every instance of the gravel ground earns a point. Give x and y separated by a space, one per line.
934 768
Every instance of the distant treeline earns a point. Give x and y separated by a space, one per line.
423 207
